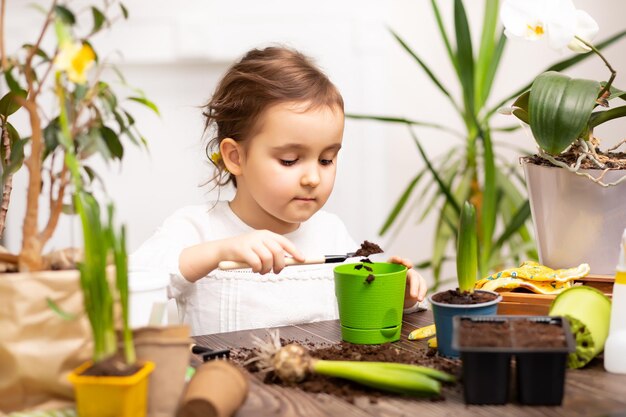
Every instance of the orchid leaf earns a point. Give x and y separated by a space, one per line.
599 117
560 66
559 109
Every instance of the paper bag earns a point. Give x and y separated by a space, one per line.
38 348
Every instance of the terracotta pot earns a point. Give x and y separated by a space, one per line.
576 221
168 348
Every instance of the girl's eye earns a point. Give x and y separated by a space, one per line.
326 161
288 162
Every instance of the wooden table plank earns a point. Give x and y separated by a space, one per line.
588 392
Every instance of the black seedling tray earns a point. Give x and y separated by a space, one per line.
540 370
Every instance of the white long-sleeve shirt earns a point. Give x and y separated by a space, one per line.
236 300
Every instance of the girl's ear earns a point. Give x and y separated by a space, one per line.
232 154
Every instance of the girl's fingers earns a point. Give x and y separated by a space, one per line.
265 256
290 248
278 255
401 261
422 288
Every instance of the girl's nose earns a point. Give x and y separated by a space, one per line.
311 177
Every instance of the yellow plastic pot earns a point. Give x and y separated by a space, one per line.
111 396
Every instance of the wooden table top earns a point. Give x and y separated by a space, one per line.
588 392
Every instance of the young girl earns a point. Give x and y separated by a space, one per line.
278 124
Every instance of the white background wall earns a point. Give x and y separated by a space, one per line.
176 54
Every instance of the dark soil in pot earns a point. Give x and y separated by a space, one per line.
463 298
113 366
516 334
616 160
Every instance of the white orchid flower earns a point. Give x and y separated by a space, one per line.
558 21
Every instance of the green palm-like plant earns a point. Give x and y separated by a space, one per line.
475 171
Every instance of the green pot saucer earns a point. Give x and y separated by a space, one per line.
371 336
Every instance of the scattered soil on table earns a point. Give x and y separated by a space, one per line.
348 352
617 160
113 366
456 297
514 333
368 248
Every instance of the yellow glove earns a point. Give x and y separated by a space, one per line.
534 277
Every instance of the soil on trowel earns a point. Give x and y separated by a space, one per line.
348 390
368 248
113 366
456 297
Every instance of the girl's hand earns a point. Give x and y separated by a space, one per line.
263 250
415 283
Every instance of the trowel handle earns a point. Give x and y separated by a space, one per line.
229 265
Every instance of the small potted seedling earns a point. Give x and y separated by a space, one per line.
370 296
109 385
540 345
464 300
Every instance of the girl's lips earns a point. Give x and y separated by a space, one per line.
304 199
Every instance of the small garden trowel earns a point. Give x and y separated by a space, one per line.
326 259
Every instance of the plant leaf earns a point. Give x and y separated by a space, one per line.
490 200
464 55
65 15
442 186
9 104
518 220
467 249
391 119
492 69
98 19
599 117
124 11
59 312
426 69
486 52
397 208
112 142
444 35
559 108
146 103
560 66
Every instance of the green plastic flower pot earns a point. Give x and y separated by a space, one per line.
370 309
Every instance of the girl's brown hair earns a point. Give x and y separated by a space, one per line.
261 79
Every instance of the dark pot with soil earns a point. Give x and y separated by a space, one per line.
540 345
448 304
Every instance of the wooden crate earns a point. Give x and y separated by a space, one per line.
521 303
